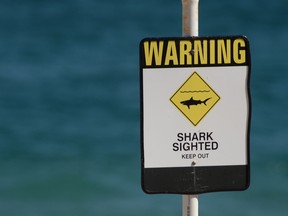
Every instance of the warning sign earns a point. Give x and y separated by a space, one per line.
195 114
195 98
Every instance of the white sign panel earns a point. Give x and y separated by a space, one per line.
171 139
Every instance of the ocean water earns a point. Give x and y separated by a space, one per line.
69 105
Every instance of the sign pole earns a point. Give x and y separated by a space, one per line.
190 22
190 17
193 70
190 205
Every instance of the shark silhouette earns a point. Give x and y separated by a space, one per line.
192 102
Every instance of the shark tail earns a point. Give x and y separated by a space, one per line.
206 100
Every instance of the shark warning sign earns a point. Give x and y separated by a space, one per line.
195 98
195 114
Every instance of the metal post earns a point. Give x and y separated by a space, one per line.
190 28
190 205
190 17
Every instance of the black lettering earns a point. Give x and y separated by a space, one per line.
194 146
186 146
175 147
195 137
214 145
202 136
187 136
201 145
209 136
207 145
180 137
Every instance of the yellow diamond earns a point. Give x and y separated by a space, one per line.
195 98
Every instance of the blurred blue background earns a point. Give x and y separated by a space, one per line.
69 105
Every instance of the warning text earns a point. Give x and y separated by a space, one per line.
201 141
194 52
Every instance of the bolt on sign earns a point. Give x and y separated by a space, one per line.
195 114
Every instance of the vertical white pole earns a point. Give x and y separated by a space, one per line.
190 28
190 17
190 205
194 205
